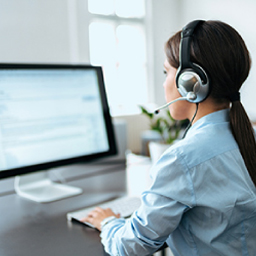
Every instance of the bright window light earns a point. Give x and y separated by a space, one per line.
131 44
132 84
122 8
130 8
102 43
105 7
118 44
103 52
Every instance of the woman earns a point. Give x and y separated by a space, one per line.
203 197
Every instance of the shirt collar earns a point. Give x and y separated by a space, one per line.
215 117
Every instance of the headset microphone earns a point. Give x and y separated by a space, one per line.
190 97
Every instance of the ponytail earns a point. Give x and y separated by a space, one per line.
244 135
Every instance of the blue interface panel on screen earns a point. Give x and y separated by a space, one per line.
50 116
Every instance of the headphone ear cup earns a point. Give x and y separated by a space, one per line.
191 86
191 79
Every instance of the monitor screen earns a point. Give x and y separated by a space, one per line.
52 115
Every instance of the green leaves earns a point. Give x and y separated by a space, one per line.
145 112
166 126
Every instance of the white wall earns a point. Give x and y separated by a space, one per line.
30 31
164 23
43 31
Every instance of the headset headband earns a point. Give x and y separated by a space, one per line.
191 79
186 37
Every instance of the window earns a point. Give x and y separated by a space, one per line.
118 43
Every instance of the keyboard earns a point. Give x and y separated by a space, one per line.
124 205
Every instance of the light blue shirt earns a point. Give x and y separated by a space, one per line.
202 201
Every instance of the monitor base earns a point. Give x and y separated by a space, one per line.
39 188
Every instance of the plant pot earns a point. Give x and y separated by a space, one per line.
146 137
156 149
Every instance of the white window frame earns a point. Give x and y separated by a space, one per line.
79 19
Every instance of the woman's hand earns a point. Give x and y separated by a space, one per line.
96 216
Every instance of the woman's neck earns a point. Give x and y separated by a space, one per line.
207 107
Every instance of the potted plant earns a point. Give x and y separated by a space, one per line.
166 127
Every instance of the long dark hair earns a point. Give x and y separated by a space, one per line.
221 51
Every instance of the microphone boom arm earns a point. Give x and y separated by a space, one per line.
169 103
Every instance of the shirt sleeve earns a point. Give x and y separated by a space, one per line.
163 205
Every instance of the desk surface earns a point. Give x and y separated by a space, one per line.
28 228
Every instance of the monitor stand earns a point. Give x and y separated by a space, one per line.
38 187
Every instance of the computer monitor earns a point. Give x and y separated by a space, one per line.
50 116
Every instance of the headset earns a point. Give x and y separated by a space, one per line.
191 80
